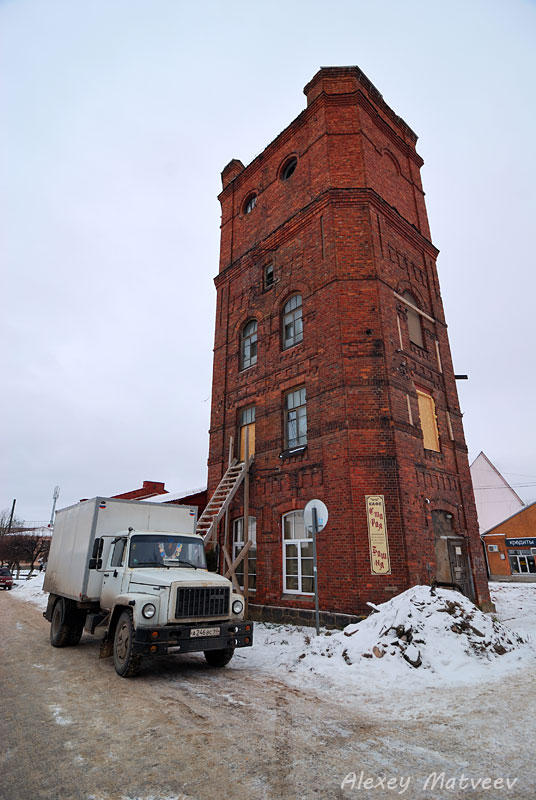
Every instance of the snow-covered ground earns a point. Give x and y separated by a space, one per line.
418 639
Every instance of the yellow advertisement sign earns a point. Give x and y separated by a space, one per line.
380 563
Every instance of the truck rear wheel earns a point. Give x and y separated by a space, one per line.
219 658
67 623
59 630
125 661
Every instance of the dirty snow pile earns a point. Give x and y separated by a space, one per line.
31 590
426 627
420 637
436 630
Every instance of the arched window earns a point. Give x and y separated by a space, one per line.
248 344
292 321
414 321
249 203
297 555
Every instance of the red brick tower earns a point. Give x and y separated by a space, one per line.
331 348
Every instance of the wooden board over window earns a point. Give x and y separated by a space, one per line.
428 417
247 423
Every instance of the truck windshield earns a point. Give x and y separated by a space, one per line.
166 551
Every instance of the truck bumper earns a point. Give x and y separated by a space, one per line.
179 639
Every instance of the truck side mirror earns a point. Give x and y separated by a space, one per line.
95 562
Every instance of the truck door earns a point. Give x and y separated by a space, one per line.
113 573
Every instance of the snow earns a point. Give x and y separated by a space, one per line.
458 657
168 497
31 590
418 639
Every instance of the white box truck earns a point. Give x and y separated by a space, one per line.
136 571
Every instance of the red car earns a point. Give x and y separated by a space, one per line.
6 578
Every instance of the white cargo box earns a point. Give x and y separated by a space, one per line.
77 527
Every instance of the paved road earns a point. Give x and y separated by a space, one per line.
73 730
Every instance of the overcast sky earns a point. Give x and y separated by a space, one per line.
117 117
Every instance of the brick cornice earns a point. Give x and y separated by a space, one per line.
302 217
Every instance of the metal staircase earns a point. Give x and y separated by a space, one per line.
220 501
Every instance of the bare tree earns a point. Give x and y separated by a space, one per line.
8 549
31 547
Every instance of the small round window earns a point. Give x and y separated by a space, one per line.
250 202
288 168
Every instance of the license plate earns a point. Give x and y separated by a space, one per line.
198 632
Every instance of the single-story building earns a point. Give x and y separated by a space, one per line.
510 547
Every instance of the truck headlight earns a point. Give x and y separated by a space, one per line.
238 605
148 610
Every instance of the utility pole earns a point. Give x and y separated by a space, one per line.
11 517
54 498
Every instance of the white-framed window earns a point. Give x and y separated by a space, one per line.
522 561
248 344
292 321
238 544
297 555
296 418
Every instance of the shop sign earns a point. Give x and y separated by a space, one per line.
380 563
525 542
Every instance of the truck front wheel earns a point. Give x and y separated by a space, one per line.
125 661
219 658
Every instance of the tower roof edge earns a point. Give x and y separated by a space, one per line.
345 80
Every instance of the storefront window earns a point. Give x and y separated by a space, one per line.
522 562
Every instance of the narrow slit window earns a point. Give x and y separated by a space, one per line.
268 276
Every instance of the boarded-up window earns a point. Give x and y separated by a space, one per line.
414 321
247 423
428 418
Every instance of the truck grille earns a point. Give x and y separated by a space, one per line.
202 601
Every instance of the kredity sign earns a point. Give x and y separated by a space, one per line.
525 542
